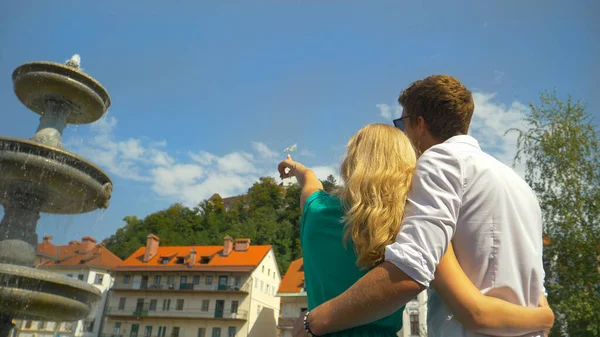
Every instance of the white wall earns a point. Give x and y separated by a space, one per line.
264 305
418 307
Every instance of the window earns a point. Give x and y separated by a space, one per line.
204 259
201 332
180 260
166 305
216 332
205 304
170 279
70 275
28 324
268 290
179 305
255 283
122 303
162 331
196 280
414 324
263 269
208 280
183 280
90 326
153 304
148 331
68 326
164 260
269 272
175 331
80 277
126 279
231 331
99 278
156 280
273 275
262 285
117 329
234 307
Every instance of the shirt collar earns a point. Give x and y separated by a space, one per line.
465 139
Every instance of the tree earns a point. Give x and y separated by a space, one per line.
268 214
330 184
560 148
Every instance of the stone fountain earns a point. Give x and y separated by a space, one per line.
38 175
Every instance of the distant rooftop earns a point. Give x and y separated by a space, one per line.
293 281
86 253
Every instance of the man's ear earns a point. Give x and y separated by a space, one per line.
421 124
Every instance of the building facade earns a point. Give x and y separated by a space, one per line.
293 297
414 318
86 261
195 291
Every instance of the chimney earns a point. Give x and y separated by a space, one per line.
227 245
192 259
73 243
48 239
242 245
87 243
151 247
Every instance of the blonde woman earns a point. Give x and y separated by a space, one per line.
344 234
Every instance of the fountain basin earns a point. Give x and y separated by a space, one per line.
36 294
63 182
36 82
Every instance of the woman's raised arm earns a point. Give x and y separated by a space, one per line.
306 178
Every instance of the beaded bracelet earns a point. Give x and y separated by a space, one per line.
306 327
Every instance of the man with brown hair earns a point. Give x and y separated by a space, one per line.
460 194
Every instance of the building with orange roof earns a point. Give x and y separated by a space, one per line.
206 291
293 297
85 260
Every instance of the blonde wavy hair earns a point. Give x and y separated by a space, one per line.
377 172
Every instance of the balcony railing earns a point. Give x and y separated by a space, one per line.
172 313
286 322
188 287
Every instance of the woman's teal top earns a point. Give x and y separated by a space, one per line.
330 265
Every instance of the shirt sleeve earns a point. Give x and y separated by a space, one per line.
430 216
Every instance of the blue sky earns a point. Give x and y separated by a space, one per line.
205 96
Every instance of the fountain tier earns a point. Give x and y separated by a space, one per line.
63 182
37 82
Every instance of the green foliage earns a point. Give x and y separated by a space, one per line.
560 149
329 184
267 214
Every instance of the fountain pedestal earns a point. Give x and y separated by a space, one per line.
38 175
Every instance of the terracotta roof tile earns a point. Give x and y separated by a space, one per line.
249 258
71 255
293 281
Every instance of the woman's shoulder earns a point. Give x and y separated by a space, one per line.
321 198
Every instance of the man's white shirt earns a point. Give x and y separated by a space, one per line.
461 194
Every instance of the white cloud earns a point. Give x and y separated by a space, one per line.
105 124
264 151
388 112
490 122
189 180
237 162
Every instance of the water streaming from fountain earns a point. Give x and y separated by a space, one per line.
39 176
